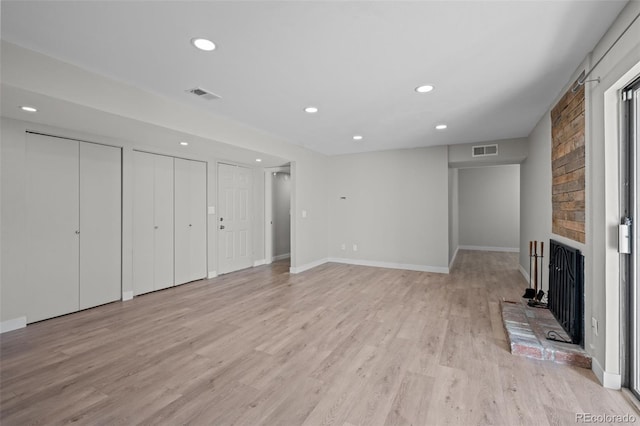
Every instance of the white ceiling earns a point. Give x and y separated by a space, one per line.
496 65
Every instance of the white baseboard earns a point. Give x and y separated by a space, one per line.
488 248
524 273
127 295
13 324
306 267
259 262
212 274
608 380
453 259
391 265
281 257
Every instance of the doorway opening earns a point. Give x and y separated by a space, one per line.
278 190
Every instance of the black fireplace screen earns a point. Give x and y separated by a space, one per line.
566 289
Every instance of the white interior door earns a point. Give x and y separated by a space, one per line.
52 226
143 223
234 226
163 222
100 224
190 220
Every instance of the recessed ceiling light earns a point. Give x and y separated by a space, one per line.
424 89
28 108
311 110
441 126
184 143
203 44
258 160
357 138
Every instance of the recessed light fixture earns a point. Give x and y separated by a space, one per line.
424 89
311 110
441 126
184 143
28 108
203 44
357 138
258 160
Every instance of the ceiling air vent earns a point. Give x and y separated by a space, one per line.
484 150
204 94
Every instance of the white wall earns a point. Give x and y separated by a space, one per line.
489 200
395 211
454 213
602 280
510 151
281 214
535 196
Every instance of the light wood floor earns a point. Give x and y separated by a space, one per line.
337 345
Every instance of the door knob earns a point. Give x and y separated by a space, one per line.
155 227
77 232
221 219
189 225
221 226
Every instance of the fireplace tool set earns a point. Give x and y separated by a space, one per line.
533 293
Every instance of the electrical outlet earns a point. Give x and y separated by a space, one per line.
343 246
355 247
594 325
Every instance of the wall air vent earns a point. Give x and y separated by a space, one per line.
204 94
484 150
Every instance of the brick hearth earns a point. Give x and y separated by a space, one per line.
527 328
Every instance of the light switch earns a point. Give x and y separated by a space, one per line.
304 213
212 209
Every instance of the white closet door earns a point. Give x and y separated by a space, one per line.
182 220
143 223
198 221
163 222
52 226
190 220
100 224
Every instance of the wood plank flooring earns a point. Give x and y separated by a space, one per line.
336 345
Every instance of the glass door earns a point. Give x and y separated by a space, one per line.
630 197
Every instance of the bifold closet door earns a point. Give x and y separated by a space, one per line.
100 224
190 220
52 221
152 222
163 221
143 226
